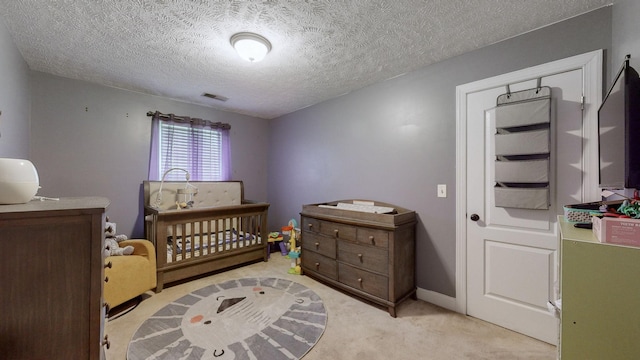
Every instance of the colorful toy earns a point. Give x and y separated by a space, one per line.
276 238
294 251
630 209
295 258
283 248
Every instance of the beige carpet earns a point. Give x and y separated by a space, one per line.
357 330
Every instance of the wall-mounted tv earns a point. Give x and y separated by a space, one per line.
619 131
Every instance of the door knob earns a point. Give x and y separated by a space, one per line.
475 217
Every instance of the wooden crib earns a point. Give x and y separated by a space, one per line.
219 230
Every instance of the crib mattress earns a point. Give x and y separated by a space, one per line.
205 244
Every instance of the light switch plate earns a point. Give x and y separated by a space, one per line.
442 190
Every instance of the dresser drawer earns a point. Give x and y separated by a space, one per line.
374 284
319 244
320 264
310 224
373 237
367 257
339 231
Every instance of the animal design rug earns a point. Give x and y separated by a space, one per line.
251 318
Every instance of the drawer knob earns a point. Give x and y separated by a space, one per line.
108 265
360 281
317 266
360 257
372 240
310 225
317 245
106 342
335 232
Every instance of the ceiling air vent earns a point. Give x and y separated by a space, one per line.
215 97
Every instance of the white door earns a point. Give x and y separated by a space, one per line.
511 259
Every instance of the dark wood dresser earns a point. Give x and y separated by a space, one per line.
366 254
51 278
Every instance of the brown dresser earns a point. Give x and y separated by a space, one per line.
366 254
51 278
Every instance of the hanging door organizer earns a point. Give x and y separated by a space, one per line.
522 149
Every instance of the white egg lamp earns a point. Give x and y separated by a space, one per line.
19 181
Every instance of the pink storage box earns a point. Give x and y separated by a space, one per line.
619 231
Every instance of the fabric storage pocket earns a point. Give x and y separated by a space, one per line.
522 149
523 114
536 198
522 171
522 143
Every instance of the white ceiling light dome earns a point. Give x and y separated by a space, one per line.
251 47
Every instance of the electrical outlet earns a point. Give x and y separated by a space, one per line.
442 190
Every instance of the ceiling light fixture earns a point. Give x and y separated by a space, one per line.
251 47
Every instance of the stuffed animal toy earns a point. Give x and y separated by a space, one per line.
111 242
109 229
112 248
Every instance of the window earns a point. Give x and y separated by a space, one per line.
197 146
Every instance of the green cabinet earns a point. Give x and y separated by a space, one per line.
600 291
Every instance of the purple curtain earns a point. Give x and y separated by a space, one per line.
226 153
154 169
195 152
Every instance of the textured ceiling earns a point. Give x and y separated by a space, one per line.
321 49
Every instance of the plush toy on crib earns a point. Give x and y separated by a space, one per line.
111 241
184 205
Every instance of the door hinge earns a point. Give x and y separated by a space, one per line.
582 102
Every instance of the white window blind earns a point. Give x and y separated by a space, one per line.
197 150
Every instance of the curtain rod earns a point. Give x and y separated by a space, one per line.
187 119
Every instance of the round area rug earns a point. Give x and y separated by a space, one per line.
252 318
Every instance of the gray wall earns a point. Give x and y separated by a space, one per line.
392 142
396 140
626 34
14 99
92 140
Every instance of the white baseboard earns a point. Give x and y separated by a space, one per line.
436 298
